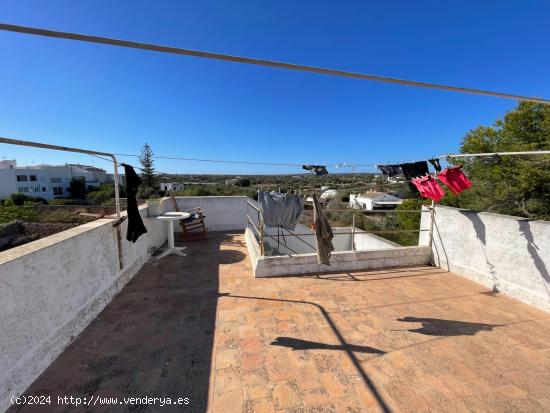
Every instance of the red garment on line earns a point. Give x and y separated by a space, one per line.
455 179
428 187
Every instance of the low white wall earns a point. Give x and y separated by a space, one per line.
223 213
365 241
54 287
508 253
340 261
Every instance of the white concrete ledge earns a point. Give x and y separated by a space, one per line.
340 261
52 288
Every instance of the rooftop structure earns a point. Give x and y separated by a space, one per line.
391 337
46 181
374 200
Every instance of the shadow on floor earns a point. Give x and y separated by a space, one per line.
231 256
154 339
298 344
343 345
372 275
442 327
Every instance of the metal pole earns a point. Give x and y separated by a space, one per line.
259 62
261 222
69 149
475 155
117 189
353 231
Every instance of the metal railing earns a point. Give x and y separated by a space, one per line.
261 234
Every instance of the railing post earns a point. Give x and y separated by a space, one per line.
262 247
353 231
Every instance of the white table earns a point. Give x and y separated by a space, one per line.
169 218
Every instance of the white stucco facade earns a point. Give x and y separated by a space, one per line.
171 186
509 254
46 181
371 201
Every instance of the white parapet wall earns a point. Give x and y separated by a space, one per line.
297 264
54 287
509 254
223 213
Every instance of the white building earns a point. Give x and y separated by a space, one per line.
171 186
46 181
374 200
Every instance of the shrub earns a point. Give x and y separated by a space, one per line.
18 199
11 213
62 216
61 202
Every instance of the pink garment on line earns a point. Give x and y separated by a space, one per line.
455 179
428 187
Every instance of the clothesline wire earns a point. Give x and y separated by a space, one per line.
259 62
342 164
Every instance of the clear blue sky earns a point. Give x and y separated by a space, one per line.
114 99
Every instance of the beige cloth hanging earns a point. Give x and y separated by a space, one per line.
323 233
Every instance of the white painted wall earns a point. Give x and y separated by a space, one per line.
223 213
509 253
365 241
52 288
340 261
48 177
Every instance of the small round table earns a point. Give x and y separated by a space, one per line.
169 218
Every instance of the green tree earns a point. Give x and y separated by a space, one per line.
514 185
147 166
77 188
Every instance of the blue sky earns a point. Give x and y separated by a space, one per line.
114 99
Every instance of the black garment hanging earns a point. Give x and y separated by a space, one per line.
435 163
414 170
390 170
135 224
319 170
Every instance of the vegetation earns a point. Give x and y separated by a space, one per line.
77 188
19 199
103 194
13 212
147 168
510 185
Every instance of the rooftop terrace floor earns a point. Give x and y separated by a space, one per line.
402 339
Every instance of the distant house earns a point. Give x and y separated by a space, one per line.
370 201
171 186
46 181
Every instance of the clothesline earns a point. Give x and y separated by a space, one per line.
259 62
342 164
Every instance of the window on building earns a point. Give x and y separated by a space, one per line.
32 177
23 189
57 190
55 180
21 178
43 189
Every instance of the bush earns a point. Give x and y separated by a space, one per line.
146 192
77 188
61 202
102 194
11 213
18 199
63 216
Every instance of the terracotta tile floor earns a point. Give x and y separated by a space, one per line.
402 340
